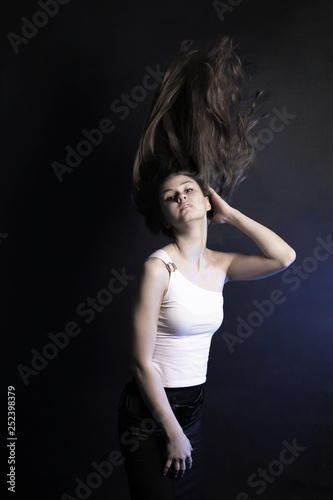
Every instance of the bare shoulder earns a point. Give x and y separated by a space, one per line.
220 260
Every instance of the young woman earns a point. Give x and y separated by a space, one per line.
196 135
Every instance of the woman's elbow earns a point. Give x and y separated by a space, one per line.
140 366
288 258
136 364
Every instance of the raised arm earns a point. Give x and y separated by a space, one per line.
275 253
152 286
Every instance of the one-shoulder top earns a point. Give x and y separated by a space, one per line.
188 318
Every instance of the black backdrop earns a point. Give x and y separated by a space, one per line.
71 244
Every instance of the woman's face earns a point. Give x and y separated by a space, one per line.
181 200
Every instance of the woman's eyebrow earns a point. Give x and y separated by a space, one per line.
185 182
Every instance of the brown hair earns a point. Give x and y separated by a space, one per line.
198 124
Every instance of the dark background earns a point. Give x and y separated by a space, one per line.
59 242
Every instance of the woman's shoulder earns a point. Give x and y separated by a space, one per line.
169 250
219 259
154 271
162 253
156 261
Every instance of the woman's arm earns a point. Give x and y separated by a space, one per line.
275 253
146 306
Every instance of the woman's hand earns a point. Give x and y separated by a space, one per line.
221 209
179 454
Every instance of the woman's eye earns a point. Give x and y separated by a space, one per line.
174 197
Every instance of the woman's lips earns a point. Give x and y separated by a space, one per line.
184 205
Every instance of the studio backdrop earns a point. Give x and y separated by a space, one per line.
77 82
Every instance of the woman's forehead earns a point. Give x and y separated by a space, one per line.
176 181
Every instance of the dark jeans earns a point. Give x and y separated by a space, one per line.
143 444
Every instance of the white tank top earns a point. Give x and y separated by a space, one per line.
189 316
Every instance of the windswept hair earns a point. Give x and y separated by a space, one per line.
198 125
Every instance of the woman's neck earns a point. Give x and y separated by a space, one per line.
191 245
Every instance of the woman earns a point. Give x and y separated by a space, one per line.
197 135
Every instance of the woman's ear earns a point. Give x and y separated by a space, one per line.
166 224
209 208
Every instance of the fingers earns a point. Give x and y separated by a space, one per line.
178 456
179 466
190 462
167 467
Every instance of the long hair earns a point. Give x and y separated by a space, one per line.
198 124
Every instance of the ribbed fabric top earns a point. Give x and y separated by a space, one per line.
189 316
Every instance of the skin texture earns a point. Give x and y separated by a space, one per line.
185 208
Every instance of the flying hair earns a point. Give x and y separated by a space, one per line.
199 124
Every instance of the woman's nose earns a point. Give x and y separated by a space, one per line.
181 197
